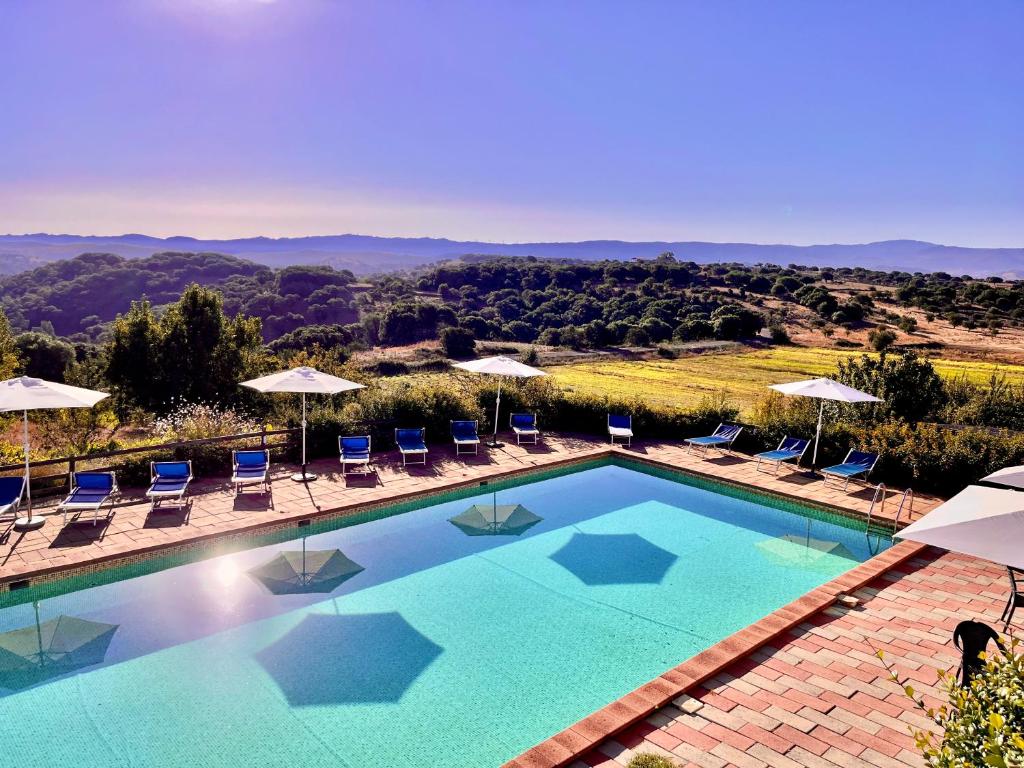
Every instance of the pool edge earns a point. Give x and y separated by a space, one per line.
583 736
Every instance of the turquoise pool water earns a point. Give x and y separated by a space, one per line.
445 650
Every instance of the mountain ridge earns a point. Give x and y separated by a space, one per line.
365 254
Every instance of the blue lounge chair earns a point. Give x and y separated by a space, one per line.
465 436
524 425
354 449
722 438
12 491
250 468
89 490
412 442
168 481
620 427
855 464
789 449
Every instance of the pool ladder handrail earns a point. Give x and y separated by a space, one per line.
881 491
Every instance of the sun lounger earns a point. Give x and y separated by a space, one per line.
722 438
168 481
354 450
525 425
855 464
89 491
465 436
250 468
620 427
789 449
412 442
12 491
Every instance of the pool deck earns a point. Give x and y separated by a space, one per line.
800 687
215 511
816 695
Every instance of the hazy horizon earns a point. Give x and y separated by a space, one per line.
793 123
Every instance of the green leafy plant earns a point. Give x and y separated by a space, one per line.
650 760
983 723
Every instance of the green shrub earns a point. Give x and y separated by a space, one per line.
650 760
983 723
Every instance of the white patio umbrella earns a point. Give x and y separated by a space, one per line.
500 366
1007 477
824 389
979 521
28 394
303 380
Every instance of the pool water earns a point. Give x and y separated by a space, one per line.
446 649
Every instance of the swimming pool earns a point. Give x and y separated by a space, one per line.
431 644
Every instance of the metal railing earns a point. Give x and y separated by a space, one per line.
47 484
879 497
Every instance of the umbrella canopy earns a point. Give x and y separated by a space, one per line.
979 521
31 655
298 571
303 380
28 394
824 389
500 366
1008 477
495 520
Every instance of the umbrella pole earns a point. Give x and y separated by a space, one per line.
817 438
303 476
28 523
497 409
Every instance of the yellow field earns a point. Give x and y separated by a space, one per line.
744 375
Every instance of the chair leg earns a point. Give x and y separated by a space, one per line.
1013 607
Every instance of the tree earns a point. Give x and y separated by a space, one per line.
133 359
881 339
457 342
193 353
44 356
8 349
908 385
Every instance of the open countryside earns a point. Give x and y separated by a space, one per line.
742 374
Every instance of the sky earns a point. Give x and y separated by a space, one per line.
815 121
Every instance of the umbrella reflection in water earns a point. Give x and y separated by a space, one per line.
495 519
34 654
295 572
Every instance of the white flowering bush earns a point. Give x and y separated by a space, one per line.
196 421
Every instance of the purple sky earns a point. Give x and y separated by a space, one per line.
757 121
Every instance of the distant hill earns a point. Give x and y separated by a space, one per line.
364 254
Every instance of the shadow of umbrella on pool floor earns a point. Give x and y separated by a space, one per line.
295 572
495 520
49 649
348 659
614 558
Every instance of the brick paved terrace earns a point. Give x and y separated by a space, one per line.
215 510
817 695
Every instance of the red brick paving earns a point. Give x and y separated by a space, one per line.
816 695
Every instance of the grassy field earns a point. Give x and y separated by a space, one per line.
743 374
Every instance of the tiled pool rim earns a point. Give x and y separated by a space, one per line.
573 742
50 581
